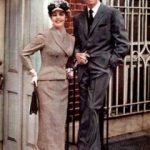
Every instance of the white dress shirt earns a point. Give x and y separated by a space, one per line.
95 8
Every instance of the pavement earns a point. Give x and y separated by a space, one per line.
128 142
138 143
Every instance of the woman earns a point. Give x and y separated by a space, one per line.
55 46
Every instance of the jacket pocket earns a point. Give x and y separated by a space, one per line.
101 60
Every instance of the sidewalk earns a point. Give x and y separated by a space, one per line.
136 141
139 143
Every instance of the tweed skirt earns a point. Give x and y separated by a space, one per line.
53 97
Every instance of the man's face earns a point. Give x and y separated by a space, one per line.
91 3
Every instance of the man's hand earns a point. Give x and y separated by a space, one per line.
82 58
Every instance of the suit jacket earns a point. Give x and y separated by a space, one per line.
55 50
106 42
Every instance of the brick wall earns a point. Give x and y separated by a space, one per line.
75 6
74 102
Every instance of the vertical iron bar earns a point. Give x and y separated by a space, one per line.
107 125
74 98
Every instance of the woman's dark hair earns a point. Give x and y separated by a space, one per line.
62 4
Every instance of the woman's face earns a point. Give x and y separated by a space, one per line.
58 18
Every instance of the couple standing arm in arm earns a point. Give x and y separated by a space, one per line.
100 44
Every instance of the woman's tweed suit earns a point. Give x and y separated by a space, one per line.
55 49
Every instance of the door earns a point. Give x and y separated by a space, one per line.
36 20
24 19
13 75
2 24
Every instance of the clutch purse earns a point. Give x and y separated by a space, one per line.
34 107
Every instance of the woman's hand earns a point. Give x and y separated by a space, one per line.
69 72
34 77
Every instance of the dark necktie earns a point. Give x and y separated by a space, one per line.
90 18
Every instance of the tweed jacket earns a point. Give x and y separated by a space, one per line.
106 42
55 49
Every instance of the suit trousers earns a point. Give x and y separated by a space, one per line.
92 94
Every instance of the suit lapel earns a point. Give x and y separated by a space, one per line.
68 44
98 18
84 23
62 42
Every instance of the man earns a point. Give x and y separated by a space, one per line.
101 44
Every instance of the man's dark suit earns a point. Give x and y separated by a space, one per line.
107 45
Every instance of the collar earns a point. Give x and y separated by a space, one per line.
60 32
95 8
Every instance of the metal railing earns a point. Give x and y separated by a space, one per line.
129 90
